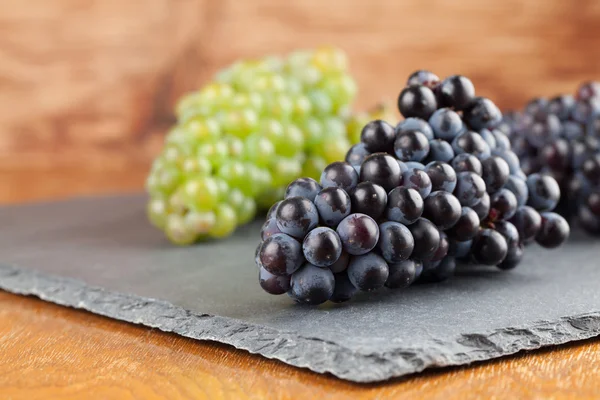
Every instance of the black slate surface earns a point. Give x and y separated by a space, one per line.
100 254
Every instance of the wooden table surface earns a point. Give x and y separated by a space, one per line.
50 352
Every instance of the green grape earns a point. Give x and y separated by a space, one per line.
296 61
292 141
235 199
251 185
273 63
269 197
216 92
226 222
252 101
274 131
284 170
334 127
235 146
201 193
329 59
265 180
157 212
294 86
321 103
279 106
234 173
223 188
334 149
164 181
247 211
269 83
198 130
258 150
200 222
178 232
177 204
187 102
302 107
215 152
354 126
174 154
313 167
238 122
196 166
314 131
341 89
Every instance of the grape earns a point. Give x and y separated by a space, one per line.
554 231
527 221
303 187
412 165
482 113
442 250
339 174
509 231
470 188
585 110
157 212
446 124
417 179
588 221
489 138
588 90
440 150
513 257
555 155
537 107
405 205
592 202
296 216
272 213
396 243
368 272
341 264
459 249
442 176
344 289
378 136
333 205
511 159
177 231
466 227
591 168
443 209
281 254
311 285
370 199
417 101
543 130
273 284
411 146
489 247
423 77
322 247
359 233
381 169
519 188
226 221
456 92
402 274
201 194
200 222
440 272
415 124
467 163
427 239
544 192
269 228
472 143
502 141
357 154
503 205
482 208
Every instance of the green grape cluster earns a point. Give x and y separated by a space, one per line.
243 137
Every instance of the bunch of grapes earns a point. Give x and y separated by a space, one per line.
560 137
242 138
409 201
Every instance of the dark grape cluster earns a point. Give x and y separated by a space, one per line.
561 137
409 201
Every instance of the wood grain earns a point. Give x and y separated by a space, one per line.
87 79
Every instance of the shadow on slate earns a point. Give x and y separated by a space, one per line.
100 254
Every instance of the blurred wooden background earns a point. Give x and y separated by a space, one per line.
93 83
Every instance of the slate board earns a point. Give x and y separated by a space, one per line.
100 254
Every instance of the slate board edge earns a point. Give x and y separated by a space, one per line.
290 348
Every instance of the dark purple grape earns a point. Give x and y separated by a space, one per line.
396 243
423 77
489 247
588 90
273 284
591 169
528 222
514 164
592 202
459 250
381 169
543 130
509 231
442 176
456 92
519 188
588 221
502 141
554 232
580 152
344 289
368 272
571 130
415 124
269 228
586 110
472 143
303 187
417 179
440 150
466 162
514 255
339 174
466 227
272 213
359 233
296 216
482 113
440 271
489 138
333 205
446 124
341 264
322 247
370 199
470 188
503 205
537 107
378 136
311 285
281 254
402 274
427 239
411 146
555 155
405 205
442 250
417 101
561 106
495 173
544 192
443 209
482 209
357 154
413 165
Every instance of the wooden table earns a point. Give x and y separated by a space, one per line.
50 352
